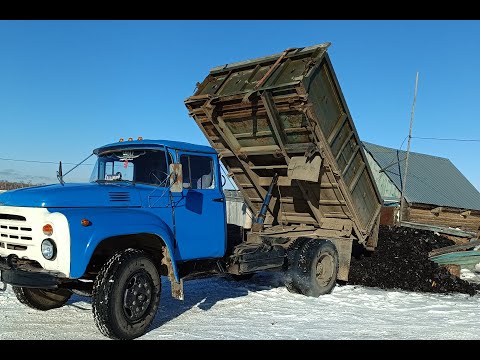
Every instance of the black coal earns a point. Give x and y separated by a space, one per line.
400 261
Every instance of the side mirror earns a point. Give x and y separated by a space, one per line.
60 174
224 181
176 178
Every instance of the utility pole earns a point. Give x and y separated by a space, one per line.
404 180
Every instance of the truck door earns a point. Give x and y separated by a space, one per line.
199 210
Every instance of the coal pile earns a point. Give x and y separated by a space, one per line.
400 261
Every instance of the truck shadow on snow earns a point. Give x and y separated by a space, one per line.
205 293
201 293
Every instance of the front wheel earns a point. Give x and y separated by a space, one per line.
126 295
42 299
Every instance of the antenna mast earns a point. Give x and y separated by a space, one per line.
404 180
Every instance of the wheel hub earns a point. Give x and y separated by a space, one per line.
324 270
137 295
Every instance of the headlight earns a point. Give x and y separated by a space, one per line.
48 249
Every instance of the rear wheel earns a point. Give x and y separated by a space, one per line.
42 299
292 257
126 295
315 268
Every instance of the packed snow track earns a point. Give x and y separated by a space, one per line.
262 308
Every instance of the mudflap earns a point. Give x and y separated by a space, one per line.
344 250
177 289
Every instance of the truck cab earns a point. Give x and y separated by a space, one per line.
157 202
144 171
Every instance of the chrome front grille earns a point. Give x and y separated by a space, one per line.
21 234
15 233
12 217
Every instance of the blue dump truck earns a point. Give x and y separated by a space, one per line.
154 208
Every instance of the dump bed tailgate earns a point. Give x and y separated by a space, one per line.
285 114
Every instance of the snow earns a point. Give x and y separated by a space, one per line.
261 308
469 275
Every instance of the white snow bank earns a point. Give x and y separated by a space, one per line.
262 308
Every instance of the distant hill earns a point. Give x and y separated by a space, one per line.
8 185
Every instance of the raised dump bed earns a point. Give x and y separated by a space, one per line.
282 120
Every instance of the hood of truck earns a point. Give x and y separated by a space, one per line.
73 195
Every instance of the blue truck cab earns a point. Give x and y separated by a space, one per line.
151 203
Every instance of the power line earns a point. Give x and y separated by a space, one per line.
40 162
444 139
68 163
406 137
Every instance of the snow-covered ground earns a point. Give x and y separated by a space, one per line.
261 308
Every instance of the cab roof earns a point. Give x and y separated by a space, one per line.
153 144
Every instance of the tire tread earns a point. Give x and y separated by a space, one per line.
300 270
102 288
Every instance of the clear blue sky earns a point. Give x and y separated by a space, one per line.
67 87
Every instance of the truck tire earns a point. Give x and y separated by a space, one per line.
42 299
315 269
292 258
126 295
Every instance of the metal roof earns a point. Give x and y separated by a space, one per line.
431 179
146 144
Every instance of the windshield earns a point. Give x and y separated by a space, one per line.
139 166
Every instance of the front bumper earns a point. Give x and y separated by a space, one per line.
17 275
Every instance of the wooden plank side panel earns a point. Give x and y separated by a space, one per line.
366 202
376 199
326 106
364 198
352 169
332 203
446 218
342 140
327 113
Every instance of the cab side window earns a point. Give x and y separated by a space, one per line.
197 172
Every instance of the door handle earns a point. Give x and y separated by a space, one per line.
218 200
